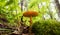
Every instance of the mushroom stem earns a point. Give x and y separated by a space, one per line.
30 25
30 20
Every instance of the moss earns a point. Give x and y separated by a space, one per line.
46 27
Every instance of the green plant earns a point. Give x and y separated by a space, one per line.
46 27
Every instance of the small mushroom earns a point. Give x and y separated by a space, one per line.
30 14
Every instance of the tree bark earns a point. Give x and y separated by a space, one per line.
58 6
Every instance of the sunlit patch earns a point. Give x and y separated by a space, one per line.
7 0
52 0
40 5
43 3
6 7
56 16
59 1
46 16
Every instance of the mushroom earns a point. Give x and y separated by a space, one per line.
30 14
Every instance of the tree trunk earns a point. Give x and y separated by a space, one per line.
58 6
22 9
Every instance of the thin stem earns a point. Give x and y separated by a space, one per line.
30 26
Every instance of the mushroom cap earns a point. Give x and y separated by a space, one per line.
30 13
